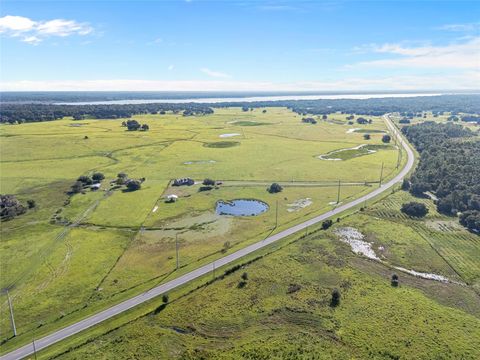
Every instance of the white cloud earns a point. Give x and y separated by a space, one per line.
460 27
464 55
33 40
15 24
33 32
215 74
467 81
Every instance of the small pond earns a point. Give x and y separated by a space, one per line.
241 207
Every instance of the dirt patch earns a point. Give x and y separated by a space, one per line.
299 204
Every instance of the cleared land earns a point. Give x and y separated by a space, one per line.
120 244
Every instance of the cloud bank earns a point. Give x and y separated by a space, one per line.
33 32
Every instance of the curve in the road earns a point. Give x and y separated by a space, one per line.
161 289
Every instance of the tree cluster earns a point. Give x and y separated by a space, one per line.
449 167
10 207
414 209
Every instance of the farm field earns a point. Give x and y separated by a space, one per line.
72 253
282 311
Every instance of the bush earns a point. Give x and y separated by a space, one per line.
386 138
77 187
165 298
326 224
133 125
414 209
133 185
367 136
242 284
10 207
208 182
405 185
471 220
31 204
205 188
85 180
98 176
245 276
394 281
335 301
274 188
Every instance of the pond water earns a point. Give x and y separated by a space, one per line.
229 135
241 207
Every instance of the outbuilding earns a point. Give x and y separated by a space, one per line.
172 198
183 181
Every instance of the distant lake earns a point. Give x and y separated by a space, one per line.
249 99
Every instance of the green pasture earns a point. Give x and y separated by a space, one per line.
283 311
119 241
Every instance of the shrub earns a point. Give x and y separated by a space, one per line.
326 224
335 301
471 220
133 185
386 138
10 207
205 188
292 288
165 298
394 281
31 204
245 276
274 188
208 182
367 136
133 125
85 180
414 209
242 284
98 176
405 185
77 187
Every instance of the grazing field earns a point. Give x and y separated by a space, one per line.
73 253
282 310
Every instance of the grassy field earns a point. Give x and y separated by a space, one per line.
120 241
283 311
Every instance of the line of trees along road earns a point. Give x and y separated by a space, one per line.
449 167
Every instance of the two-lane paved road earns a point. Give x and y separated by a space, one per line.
161 289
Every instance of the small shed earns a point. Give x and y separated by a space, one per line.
183 181
172 198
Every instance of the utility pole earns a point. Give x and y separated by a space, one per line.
176 250
276 214
34 348
399 158
338 194
381 176
214 269
12 319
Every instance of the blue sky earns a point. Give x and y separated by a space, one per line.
239 45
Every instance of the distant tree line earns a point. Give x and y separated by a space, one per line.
11 112
449 167
21 113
